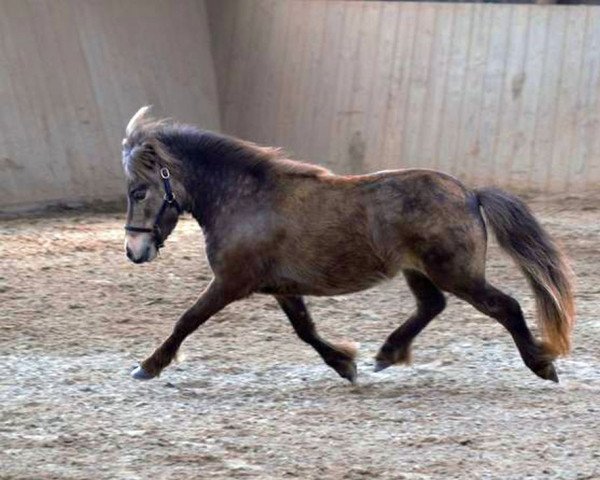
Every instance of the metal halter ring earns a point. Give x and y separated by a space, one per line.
164 173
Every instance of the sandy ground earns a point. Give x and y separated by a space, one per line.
250 400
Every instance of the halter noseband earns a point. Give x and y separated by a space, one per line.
168 201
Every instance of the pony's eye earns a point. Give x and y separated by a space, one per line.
139 194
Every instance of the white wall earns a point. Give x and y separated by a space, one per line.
503 94
72 72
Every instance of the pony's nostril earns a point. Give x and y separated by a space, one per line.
129 253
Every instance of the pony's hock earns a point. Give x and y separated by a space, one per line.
288 229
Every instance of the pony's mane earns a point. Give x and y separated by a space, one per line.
148 137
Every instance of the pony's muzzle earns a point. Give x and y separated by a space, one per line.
141 259
140 248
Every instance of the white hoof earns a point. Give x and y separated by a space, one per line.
140 374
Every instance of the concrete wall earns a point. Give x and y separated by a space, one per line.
504 94
72 72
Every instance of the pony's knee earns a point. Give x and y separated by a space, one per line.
433 305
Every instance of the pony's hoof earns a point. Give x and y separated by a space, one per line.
548 373
140 374
351 373
381 365
346 370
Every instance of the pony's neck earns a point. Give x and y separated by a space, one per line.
220 173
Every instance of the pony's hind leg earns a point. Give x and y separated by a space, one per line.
430 302
339 356
507 311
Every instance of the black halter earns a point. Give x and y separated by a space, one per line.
168 202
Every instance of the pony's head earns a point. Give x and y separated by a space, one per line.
154 191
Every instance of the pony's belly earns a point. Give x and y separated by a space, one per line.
324 283
314 290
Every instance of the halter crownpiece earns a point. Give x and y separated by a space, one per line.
168 201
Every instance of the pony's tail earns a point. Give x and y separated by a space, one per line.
540 259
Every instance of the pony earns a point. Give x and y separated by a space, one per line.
288 229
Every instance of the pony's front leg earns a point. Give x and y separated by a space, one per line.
214 298
339 356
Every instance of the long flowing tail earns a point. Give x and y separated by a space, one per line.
540 259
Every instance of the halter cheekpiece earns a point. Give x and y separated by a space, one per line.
169 201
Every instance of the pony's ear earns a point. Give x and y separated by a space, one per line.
137 120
